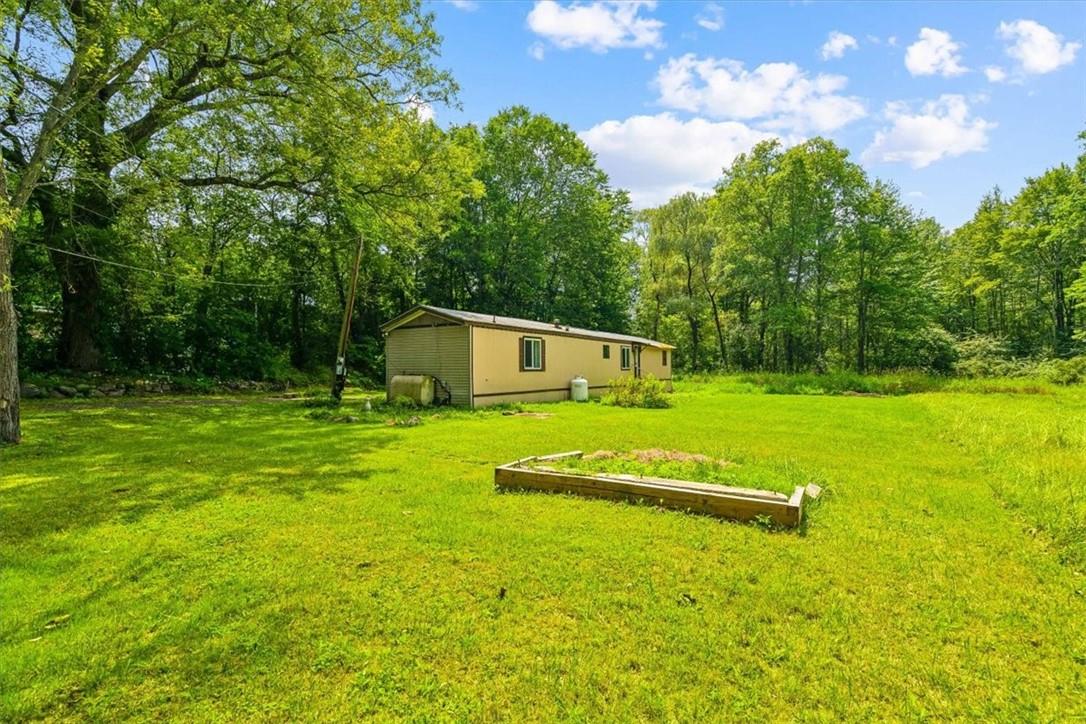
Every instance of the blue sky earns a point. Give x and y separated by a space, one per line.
944 99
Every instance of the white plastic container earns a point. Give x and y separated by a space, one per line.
578 389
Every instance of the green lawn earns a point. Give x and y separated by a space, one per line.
216 559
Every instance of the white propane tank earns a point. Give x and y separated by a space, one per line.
419 388
578 389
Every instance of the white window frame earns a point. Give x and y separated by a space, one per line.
625 357
537 345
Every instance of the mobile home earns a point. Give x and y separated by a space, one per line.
485 359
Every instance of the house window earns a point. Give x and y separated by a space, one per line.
665 357
531 354
625 354
607 351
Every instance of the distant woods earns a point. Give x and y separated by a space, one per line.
798 261
188 201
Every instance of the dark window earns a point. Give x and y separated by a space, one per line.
625 355
665 358
607 351
531 354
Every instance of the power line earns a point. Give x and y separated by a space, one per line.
165 273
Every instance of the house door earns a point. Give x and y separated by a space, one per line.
637 361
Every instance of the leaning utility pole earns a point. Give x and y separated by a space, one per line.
340 378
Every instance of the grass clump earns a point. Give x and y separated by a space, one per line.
844 383
694 467
632 391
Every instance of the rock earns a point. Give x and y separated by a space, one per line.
56 394
95 392
67 391
119 392
83 389
812 490
30 392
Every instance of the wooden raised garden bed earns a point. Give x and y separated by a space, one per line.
533 473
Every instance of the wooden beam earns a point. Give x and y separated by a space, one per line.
722 501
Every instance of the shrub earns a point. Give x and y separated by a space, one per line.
644 391
1066 371
841 383
404 402
931 349
986 356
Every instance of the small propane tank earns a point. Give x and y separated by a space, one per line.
578 389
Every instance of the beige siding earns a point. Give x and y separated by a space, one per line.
442 351
652 363
497 376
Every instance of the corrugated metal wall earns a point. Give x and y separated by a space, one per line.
443 352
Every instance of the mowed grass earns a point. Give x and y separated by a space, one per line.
222 559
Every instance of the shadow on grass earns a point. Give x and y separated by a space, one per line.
78 468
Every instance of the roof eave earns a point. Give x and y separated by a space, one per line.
415 312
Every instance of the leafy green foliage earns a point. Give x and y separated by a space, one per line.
546 239
630 391
1067 372
839 383
799 262
796 262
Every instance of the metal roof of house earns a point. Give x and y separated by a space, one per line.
527 325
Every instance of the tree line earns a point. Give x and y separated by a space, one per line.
798 261
185 186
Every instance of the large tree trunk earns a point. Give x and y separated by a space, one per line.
79 283
90 222
9 346
80 288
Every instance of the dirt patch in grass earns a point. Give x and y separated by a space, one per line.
655 455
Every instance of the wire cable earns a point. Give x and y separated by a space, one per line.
166 273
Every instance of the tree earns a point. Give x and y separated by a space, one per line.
547 238
884 258
198 94
682 241
1046 238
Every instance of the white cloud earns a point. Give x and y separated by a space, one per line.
599 25
836 45
781 95
941 129
423 110
935 53
916 195
469 6
995 74
656 157
712 18
892 41
536 50
1036 48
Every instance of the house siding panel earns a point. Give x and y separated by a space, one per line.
441 351
497 376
